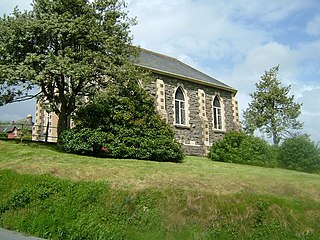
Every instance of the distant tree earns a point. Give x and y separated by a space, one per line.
272 110
65 48
300 153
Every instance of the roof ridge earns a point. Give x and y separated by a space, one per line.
160 54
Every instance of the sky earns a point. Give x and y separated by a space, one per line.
234 41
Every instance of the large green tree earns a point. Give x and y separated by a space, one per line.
272 110
66 48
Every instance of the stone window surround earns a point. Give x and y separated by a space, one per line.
223 129
203 117
161 99
180 107
187 111
202 104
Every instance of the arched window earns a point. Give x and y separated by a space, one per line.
180 111
217 116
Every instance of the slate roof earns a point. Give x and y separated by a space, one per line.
24 122
19 124
166 65
7 128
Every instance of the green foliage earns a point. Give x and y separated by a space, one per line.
3 135
300 153
20 198
54 208
25 134
65 48
272 111
134 128
198 199
60 209
238 147
84 141
148 142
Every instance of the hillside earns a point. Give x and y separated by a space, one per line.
196 199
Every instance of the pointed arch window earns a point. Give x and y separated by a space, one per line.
180 111
217 116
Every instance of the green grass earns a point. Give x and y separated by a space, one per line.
63 196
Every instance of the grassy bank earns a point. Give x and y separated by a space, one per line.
62 196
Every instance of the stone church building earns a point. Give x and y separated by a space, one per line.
199 108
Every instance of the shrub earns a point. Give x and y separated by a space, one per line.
146 142
125 124
300 153
3 135
84 141
237 147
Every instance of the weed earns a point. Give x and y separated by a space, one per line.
20 198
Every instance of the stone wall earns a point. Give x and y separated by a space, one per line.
198 134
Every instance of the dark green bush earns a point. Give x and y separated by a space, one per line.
84 141
145 142
3 135
124 124
300 153
237 147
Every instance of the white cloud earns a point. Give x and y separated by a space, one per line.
313 27
247 72
269 11
311 100
269 55
202 30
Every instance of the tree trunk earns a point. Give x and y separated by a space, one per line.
275 134
275 138
63 123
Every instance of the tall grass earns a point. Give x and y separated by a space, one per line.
62 209
198 199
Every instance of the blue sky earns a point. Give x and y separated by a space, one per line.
234 41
